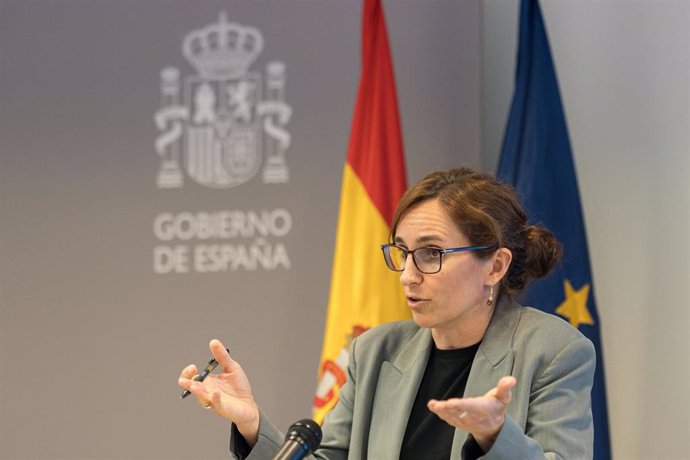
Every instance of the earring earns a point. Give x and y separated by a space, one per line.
491 296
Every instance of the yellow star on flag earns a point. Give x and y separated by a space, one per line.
574 307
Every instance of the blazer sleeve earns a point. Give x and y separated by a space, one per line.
269 441
559 418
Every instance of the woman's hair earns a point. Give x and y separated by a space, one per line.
488 212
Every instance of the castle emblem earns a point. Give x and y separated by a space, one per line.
226 122
333 375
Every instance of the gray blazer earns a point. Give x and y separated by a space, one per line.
549 416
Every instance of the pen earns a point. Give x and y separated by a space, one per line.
200 377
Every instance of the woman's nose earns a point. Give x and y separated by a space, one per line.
410 273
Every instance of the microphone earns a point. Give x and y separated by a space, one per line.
302 438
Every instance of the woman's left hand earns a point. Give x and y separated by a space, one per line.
482 416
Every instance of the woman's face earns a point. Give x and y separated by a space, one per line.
455 297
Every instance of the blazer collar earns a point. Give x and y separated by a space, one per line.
493 360
417 348
498 338
395 394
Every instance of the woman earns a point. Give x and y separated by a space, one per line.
474 374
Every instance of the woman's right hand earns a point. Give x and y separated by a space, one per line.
228 393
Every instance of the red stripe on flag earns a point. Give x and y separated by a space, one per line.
375 151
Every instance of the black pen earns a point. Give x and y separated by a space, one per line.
200 377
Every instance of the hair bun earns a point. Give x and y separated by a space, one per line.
543 251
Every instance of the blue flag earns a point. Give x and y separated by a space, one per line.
537 160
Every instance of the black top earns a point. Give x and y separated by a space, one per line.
427 436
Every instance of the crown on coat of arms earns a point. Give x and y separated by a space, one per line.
222 50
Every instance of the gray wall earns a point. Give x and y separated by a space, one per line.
91 338
624 73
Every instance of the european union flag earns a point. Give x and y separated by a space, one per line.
537 160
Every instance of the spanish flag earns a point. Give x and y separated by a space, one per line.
364 292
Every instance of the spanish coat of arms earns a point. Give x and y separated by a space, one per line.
218 125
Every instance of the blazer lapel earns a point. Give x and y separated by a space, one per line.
395 393
493 360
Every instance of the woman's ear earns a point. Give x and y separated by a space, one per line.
500 265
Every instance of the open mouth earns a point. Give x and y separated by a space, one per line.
413 301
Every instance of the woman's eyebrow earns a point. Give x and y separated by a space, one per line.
427 238
420 239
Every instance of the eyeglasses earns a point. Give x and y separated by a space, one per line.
427 260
